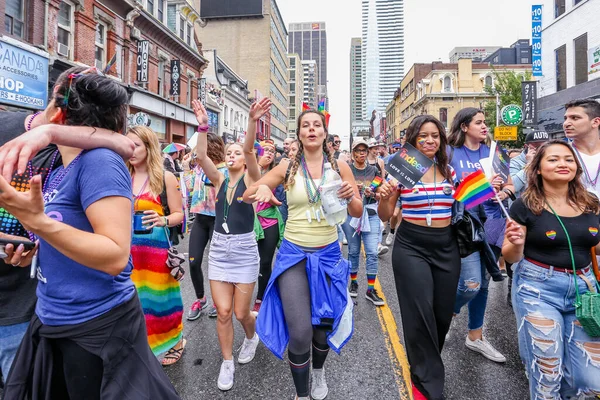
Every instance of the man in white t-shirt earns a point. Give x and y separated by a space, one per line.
581 125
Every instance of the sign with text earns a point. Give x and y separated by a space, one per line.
202 90
408 166
594 63
501 162
175 78
141 61
529 100
505 133
23 77
536 39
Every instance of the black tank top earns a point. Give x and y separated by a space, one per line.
240 218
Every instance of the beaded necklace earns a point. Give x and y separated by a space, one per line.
312 190
32 237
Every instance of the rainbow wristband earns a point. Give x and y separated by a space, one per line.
203 128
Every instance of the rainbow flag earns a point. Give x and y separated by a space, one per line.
376 183
305 107
322 105
474 190
327 116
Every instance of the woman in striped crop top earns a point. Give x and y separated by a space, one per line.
425 258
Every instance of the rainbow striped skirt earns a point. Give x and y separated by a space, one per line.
159 292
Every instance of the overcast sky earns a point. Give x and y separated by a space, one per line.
431 29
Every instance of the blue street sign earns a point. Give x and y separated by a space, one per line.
536 41
23 77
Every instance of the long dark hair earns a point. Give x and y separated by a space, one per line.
463 118
295 163
441 157
91 99
534 197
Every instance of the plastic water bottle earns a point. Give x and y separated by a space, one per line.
335 209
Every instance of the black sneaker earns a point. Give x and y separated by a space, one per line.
353 289
374 297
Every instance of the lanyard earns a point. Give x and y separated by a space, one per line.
233 189
312 190
585 169
432 203
137 197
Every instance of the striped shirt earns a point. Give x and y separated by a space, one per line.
428 198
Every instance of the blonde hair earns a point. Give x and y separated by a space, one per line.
154 159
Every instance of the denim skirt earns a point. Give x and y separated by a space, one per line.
233 258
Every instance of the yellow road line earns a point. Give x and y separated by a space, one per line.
394 346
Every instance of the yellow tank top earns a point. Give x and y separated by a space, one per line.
297 228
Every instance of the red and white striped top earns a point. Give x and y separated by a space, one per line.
416 202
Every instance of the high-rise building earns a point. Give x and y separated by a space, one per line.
382 52
518 53
252 39
296 75
310 83
309 41
357 102
477 54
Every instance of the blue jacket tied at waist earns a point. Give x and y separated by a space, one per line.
327 273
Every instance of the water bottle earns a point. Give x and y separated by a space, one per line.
333 207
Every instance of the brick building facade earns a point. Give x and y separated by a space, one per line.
90 32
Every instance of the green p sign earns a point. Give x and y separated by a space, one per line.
512 115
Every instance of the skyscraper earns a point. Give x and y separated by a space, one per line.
309 41
382 52
310 91
357 103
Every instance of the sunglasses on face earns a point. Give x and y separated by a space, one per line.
337 142
361 151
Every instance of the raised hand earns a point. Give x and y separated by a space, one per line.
260 108
200 111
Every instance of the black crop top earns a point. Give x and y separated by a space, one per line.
240 218
546 241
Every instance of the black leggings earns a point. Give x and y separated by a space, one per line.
76 371
202 231
426 265
266 251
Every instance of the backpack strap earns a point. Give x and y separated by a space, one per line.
164 202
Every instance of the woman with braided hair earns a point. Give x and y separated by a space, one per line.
310 274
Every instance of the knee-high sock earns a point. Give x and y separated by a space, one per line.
300 367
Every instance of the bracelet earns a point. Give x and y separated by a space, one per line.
166 222
510 194
28 127
203 128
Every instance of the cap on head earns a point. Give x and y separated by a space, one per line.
358 142
373 143
537 137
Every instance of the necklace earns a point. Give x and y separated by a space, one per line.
48 191
228 199
312 190
432 202
588 176
141 191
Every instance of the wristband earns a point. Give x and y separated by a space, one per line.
203 128
510 194
166 222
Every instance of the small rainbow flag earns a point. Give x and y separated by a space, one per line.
474 190
322 105
305 107
327 116
376 183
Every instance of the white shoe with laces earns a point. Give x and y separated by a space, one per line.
483 347
389 240
381 250
225 381
319 387
248 350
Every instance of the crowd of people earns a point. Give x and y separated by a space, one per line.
95 308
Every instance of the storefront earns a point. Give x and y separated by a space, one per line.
23 77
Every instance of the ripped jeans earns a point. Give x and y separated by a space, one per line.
561 360
472 288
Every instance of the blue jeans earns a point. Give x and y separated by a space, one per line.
561 360
370 241
473 289
10 339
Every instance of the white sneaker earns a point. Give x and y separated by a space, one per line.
248 350
484 348
389 240
381 250
225 381
344 241
319 387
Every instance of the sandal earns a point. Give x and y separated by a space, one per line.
173 355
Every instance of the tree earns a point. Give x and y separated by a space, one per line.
507 84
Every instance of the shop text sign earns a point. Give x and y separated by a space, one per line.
23 77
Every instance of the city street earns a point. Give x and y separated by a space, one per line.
367 367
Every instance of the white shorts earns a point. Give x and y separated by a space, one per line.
233 258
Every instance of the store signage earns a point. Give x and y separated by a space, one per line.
23 77
529 100
536 39
141 61
175 77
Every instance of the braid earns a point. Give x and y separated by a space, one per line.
331 158
295 164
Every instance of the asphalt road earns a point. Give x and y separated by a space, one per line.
366 367
370 366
